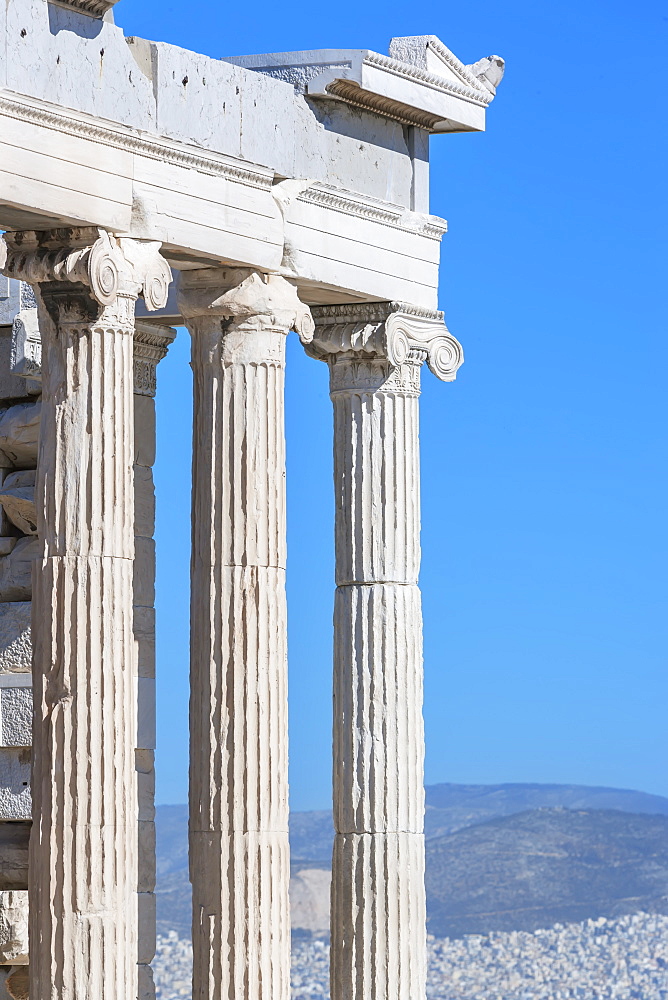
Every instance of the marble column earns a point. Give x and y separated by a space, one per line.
378 933
239 854
151 342
83 851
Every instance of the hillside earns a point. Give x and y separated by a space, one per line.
546 866
453 807
484 868
449 808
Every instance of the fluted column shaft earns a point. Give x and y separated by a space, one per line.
239 852
378 904
83 865
83 848
375 352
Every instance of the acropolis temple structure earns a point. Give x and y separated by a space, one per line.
144 187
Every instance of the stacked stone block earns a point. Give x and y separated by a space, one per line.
19 424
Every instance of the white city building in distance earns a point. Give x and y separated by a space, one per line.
133 200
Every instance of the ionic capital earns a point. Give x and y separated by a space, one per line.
110 267
244 300
391 332
151 343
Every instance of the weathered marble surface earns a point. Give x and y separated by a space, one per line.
15 714
15 640
134 140
84 778
19 428
238 709
18 503
14 855
375 353
309 172
15 797
13 927
16 570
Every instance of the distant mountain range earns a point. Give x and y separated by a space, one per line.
499 857
546 866
453 807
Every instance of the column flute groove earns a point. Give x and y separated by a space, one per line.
83 848
378 915
239 852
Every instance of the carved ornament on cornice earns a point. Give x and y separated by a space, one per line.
351 93
244 298
121 137
473 93
94 8
111 267
326 196
386 331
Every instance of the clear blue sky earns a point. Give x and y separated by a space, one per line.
544 466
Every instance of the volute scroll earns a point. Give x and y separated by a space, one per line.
109 266
386 331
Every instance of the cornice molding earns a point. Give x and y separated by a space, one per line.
351 93
386 331
414 50
94 8
417 84
469 91
123 137
325 196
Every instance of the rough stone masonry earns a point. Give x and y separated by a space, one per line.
143 187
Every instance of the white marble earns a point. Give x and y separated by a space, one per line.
93 8
84 779
272 183
15 797
14 927
15 643
239 853
15 716
134 141
19 429
378 918
16 570
443 96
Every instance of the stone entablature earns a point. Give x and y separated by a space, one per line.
155 159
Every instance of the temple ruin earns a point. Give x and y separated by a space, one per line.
144 187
